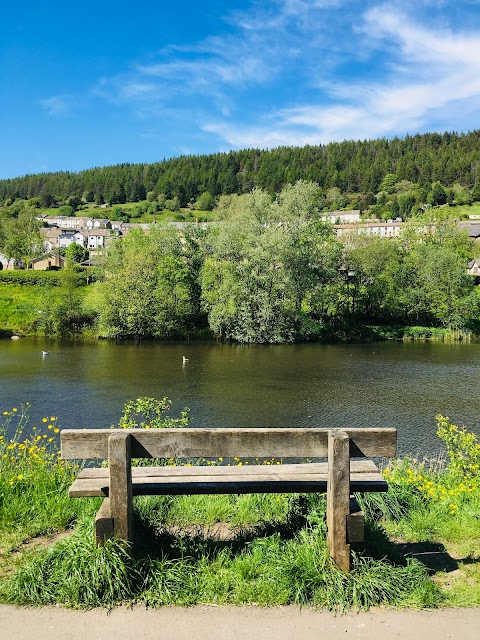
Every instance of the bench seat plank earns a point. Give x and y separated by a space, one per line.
286 478
356 466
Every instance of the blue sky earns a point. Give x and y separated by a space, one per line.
105 82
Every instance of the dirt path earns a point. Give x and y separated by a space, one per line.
237 623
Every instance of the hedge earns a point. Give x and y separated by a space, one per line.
42 278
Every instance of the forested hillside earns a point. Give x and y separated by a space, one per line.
352 167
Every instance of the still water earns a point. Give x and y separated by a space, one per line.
394 384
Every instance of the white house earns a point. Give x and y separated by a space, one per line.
96 223
387 229
66 222
9 265
68 236
97 238
342 217
474 267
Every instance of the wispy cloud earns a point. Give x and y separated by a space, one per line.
312 71
56 105
432 76
259 47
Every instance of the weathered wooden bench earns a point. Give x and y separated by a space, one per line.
348 468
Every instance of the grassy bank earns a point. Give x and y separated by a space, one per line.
19 307
23 306
422 544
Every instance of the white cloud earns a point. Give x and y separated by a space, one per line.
412 74
433 75
56 105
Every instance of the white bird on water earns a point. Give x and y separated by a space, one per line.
184 359
45 353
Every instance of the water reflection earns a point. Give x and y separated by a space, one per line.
384 384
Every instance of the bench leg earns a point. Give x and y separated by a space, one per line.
120 492
103 523
338 498
355 522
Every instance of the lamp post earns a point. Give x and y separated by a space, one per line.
349 276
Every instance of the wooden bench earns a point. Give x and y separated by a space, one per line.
348 468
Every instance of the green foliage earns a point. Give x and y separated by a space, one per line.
267 571
21 239
65 210
150 413
268 267
62 311
146 287
389 182
75 572
33 481
340 169
205 202
437 195
29 278
75 253
462 448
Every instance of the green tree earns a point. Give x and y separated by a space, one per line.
205 202
145 290
63 312
74 202
22 240
389 182
75 253
437 195
267 267
172 204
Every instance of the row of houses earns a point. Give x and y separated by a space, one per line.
94 237
74 222
96 234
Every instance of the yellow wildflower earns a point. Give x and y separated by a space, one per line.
44 420
56 430
14 409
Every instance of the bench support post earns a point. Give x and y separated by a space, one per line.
120 492
103 523
338 498
355 522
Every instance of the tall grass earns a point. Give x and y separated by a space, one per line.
33 480
268 570
275 552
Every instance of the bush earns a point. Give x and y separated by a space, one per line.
41 278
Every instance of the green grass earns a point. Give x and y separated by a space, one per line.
422 545
19 305
22 306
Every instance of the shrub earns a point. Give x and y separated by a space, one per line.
41 278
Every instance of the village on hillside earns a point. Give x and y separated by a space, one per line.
96 234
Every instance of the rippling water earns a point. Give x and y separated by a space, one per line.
394 384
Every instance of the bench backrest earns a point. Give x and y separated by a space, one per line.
242 443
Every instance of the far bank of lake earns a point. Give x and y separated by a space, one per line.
398 384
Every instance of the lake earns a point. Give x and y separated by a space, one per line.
393 384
